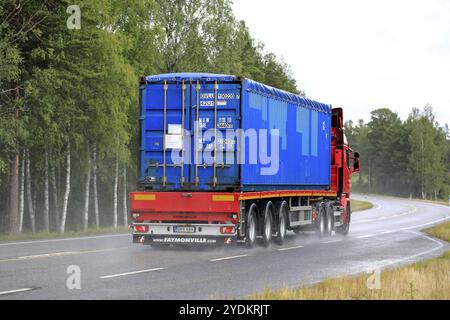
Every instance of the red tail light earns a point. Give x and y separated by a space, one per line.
227 230
141 229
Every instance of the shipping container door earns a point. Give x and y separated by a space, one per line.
214 119
165 113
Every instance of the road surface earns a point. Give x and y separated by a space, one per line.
112 268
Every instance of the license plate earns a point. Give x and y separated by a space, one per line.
183 229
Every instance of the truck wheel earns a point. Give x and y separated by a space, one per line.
330 218
321 220
267 224
250 227
281 223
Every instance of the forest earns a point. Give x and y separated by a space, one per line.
408 158
69 106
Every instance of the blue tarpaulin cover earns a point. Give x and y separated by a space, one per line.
251 85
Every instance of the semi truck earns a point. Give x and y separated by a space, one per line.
225 159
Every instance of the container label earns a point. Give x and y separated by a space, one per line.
174 129
174 141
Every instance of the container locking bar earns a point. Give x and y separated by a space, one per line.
164 179
183 107
216 88
197 125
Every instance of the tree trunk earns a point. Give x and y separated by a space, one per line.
14 195
29 195
22 192
86 190
116 184
67 192
125 198
94 182
55 198
34 193
424 195
46 197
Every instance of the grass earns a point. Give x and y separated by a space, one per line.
55 235
358 205
427 280
441 231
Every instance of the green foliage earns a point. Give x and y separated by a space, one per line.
402 157
58 84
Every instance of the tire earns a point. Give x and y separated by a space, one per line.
266 224
250 227
282 223
330 219
321 220
345 228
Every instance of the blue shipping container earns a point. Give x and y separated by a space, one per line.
210 132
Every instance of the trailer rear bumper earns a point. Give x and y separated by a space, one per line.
183 240
176 233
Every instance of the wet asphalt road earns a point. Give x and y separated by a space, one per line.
113 268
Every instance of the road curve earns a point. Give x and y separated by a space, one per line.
112 268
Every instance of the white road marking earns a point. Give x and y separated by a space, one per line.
65 239
290 248
377 207
54 254
332 241
15 291
366 236
424 224
412 209
229 258
130 273
46 255
438 247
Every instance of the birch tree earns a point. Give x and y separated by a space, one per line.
87 189
55 197
29 193
46 194
116 186
22 192
125 196
67 189
94 185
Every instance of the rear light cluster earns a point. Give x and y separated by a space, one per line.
314 215
141 229
135 215
227 230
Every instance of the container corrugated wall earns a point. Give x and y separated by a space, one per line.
304 145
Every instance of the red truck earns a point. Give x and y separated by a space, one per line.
216 203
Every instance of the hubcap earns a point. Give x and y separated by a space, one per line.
322 224
282 225
268 227
330 224
251 228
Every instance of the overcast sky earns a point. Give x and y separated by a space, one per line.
360 55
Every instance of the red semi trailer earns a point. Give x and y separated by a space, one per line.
184 217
